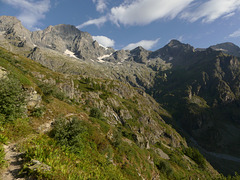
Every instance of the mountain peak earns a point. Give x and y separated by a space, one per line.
228 48
138 50
9 19
174 42
173 51
7 22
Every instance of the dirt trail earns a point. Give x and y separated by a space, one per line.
13 158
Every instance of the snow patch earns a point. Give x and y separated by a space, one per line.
104 56
100 59
70 54
221 49
103 46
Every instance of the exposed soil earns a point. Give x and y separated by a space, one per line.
14 159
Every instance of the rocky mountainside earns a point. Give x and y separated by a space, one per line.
199 88
73 126
203 97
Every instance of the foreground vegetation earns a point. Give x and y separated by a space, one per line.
83 143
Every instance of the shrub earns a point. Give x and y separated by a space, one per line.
2 156
38 112
2 117
69 133
12 99
117 138
164 167
19 128
51 90
195 155
96 113
3 139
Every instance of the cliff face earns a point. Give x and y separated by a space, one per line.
203 96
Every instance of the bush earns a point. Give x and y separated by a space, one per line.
51 90
69 133
195 155
3 139
17 129
117 138
96 113
12 99
2 156
38 112
164 167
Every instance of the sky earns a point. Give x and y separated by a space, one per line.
126 24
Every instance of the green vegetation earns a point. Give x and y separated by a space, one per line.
2 156
38 112
82 143
195 155
49 91
165 167
3 140
96 113
12 99
71 152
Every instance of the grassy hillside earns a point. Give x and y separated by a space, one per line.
101 129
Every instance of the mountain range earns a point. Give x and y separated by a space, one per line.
197 91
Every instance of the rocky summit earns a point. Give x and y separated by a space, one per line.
121 114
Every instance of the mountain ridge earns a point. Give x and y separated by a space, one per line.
194 86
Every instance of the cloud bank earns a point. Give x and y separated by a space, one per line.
98 22
31 11
235 34
105 41
142 12
100 5
146 44
212 10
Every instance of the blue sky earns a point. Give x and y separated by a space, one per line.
126 24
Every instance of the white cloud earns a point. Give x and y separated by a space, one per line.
100 5
105 41
229 15
180 38
235 34
146 44
212 10
31 11
98 22
142 12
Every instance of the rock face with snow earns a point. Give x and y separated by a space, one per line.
67 38
61 38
